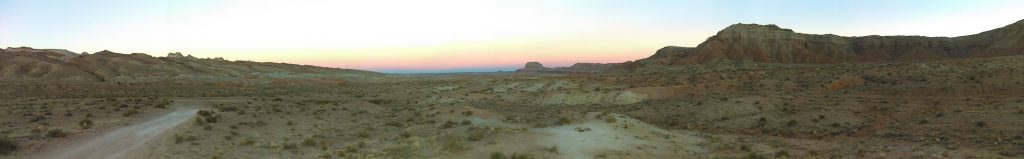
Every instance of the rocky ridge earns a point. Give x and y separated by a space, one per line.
26 63
772 44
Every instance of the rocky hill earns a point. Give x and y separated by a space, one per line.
537 67
772 44
25 63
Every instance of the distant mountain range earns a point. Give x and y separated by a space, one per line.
25 63
772 44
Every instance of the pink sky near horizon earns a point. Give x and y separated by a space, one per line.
450 61
447 35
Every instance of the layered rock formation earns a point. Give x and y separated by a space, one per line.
772 44
53 64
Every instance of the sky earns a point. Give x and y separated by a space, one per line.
418 36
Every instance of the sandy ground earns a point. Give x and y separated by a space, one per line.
129 142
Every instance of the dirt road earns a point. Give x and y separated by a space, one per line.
127 142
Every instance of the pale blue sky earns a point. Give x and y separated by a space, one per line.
453 35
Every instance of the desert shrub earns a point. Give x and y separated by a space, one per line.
782 154
745 148
448 124
466 122
475 134
761 122
309 142
289 146
754 156
405 135
208 127
129 113
452 144
179 138
552 149
161 105
497 155
394 124
227 108
247 142
212 119
200 121
7 145
55 133
37 119
467 113
563 121
610 119
278 99
518 156
791 123
85 123
204 113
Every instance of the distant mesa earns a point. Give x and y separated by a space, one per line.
537 67
175 55
534 65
